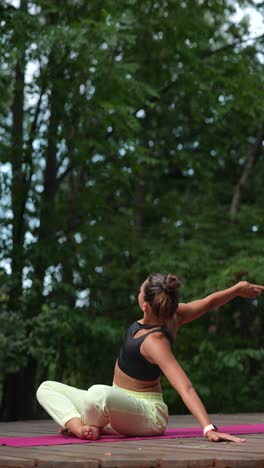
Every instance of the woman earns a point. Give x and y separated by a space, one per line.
134 404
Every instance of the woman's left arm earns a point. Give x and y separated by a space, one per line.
157 349
193 310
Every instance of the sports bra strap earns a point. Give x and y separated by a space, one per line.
152 331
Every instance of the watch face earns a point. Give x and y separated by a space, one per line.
215 427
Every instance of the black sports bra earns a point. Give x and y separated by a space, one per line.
131 361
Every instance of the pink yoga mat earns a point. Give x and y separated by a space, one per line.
171 433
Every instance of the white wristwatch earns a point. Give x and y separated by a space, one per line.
210 427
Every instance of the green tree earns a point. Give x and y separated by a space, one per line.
131 136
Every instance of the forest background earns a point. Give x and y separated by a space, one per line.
131 136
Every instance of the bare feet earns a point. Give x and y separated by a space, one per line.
76 427
91 432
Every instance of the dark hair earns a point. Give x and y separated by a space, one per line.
161 292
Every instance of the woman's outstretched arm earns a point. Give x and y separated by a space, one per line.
193 310
157 349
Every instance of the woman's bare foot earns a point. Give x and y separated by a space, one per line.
91 432
76 427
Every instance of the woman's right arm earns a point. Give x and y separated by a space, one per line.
192 310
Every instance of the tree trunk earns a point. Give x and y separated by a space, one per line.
18 184
47 220
139 192
18 387
243 181
19 394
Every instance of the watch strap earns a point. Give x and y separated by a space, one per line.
210 427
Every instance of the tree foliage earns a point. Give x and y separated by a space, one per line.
131 138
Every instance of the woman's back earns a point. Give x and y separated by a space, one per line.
134 369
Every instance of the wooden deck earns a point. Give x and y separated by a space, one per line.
174 453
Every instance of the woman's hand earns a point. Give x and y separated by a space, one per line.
215 436
249 290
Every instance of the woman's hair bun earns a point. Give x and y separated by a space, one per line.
171 283
162 294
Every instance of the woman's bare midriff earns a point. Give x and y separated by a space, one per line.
124 381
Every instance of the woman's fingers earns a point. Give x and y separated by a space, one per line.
254 293
258 289
249 290
214 436
232 438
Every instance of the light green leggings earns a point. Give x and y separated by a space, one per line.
113 408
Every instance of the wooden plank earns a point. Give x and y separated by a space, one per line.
209 464
125 462
40 453
15 462
48 460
